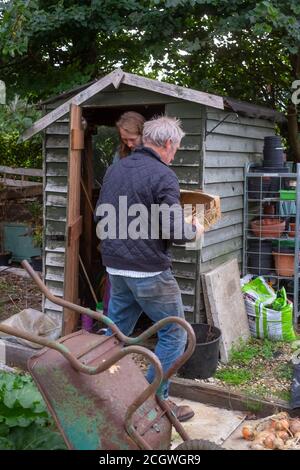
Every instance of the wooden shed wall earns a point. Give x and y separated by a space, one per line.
234 142
56 149
189 170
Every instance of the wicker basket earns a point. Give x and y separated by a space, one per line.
210 211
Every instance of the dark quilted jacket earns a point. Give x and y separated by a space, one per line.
143 178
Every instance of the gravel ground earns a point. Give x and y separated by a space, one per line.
16 294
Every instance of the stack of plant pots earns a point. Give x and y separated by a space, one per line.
273 162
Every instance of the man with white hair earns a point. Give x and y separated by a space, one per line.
139 265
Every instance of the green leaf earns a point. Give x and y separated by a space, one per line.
6 444
36 438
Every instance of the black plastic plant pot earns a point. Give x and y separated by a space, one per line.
273 152
204 361
5 258
36 263
260 258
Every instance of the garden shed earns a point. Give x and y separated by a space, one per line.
222 135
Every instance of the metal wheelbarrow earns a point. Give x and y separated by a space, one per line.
96 393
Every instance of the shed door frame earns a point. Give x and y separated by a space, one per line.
74 219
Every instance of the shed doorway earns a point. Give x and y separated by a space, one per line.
100 144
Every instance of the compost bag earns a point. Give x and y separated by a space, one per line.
270 313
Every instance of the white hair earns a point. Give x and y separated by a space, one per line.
158 130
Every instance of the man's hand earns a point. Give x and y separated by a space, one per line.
199 227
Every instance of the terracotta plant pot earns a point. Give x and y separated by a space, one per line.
284 264
268 228
291 232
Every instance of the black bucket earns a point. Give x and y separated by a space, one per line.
5 258
273 152
204 360
36 263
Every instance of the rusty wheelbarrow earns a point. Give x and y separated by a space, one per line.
96 393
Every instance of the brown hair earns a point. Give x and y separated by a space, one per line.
133 123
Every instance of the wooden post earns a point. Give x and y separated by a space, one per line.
74 219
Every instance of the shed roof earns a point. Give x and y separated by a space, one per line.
82 93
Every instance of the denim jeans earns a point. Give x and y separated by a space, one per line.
158 297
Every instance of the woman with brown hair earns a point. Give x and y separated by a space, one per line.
130 126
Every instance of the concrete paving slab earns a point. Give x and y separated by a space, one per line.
213 424
224 301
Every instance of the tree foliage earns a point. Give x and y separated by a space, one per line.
243 48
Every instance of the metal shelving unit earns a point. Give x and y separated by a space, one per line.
264 205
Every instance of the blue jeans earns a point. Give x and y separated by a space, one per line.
159 297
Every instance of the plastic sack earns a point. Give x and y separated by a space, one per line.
259 289
270 315
34 322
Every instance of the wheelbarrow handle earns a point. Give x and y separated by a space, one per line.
108 322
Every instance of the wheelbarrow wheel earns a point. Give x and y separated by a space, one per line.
198 444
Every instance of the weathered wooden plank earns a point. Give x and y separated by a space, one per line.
187 157
226 233
174 90
231 203
55 246
211 264
57 142
184 110
58 128
52 306
54 273
233 144
187 174
64 108
219 175
56 213
12 183
227 219
21 171
238 129
231 117
191 141
57 181
184 270
219 249
55 259
56 169
52 188
181 254
187 286
230 160
56 288
192 125
55 227
225 189
55 199
123 97
191 187
57 155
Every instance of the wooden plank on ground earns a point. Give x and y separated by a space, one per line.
225 302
